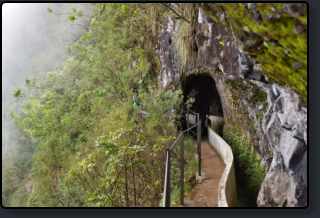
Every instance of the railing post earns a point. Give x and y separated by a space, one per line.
188 122
199 145
200 149
196 118
182 173
167 181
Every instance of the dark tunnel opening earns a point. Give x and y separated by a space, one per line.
207 100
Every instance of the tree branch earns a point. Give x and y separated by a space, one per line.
104 6
176 12
81 26
67 14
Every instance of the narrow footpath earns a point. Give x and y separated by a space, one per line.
205 193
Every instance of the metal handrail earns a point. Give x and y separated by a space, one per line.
193 132
166 193
167 181
193 111
175 141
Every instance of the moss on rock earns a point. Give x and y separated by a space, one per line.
282 46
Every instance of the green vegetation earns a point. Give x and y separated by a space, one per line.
186 38
90 96
83 142
33 47
190 169
248 166
187 54
237 119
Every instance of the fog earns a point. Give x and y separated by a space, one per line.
26 30
34 42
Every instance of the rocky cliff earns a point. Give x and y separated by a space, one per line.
257 56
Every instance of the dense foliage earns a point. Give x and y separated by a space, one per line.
90 98
32 47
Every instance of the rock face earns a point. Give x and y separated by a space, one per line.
170 65
285 124
265 106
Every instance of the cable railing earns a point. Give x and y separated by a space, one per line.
167 180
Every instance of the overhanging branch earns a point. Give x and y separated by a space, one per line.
182 17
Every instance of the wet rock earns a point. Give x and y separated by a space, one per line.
287 121
221 16
275 44
257 18
234 49
245 65
256 76
292 150
256 68
167 38
216 49
253 7
157 51
287 51
203 18
294 9
297 65
250 6
275 190
252 42
201 39
299 28
298 190
170 71
272 18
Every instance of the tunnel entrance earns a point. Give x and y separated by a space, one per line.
203 89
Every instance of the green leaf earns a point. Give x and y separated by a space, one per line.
49 10
80 13
72 17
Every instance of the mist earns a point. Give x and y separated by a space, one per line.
26 30
34 42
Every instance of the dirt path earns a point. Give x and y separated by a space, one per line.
205 194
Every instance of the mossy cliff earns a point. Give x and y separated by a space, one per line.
257 56
273 34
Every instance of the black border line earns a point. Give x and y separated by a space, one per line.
309 210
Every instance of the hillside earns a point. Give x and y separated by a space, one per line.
80 141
